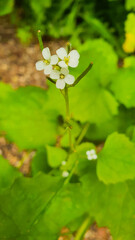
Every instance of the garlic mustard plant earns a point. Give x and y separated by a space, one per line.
57 71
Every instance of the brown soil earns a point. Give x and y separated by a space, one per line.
17 62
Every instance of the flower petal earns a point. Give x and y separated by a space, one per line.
74 54
92 151
46 53
54 74
90 158
48 69
63 163
62 64
69 79
61 52
60 84
64 71
73 62
40 65
74 57
65 174
88 152
95 156
54 59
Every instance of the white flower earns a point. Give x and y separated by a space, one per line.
91 154
63 163
62 77
48 61
65 174
71 59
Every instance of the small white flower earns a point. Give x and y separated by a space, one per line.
62 77
65 174
71 59
63 163
91 154
48 61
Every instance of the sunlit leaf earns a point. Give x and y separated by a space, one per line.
116 161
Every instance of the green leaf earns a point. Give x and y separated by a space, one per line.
104 61
129 24
99 27
24 34
130 4
118 123
132 128
27 117
68 205
112 206
55 156
90 95
123 86
39 207
129 62
29 206
116 161
22 205
96 103
6 7
39 162
7 173
129 44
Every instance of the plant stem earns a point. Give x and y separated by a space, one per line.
51 80
67 104
68 47
71 173
82 75
83 228
40 40
68 116
82 134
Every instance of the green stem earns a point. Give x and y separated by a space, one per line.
68 116
51 80
82 75
82 134
71 173
68 47
40 40
67 104
83 228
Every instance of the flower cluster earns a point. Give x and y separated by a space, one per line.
56 66
91 155
65 174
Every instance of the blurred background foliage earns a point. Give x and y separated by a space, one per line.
76 20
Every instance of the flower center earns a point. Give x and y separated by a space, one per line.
62 76
46 62
56 67
66 59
